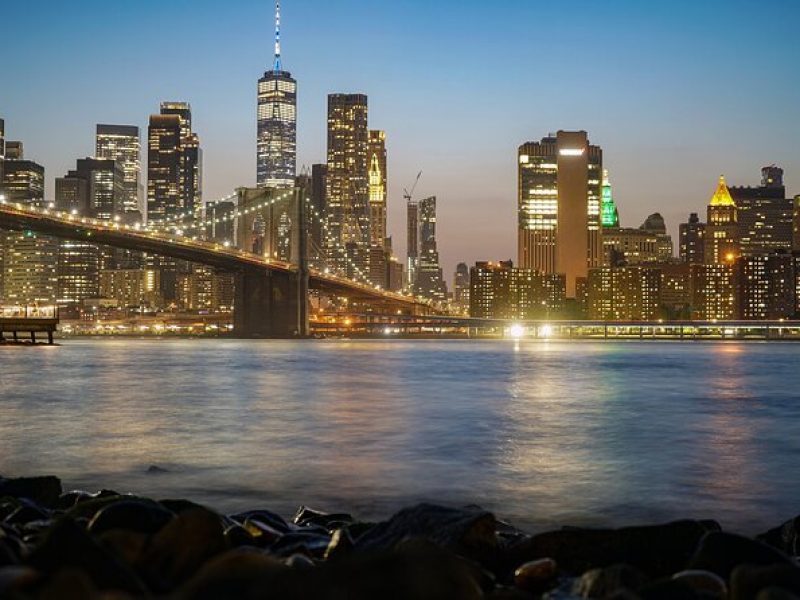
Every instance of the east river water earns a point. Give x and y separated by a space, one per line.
543 433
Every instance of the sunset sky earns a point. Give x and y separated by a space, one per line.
676 93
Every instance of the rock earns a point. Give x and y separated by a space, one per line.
705 582
180 505
42 490
657 550
748 580
69 584
67 545
785 538
299 561
537 575
180 548
156 470
263 534
26 512
602 583
470 533
273 520
307 516
126 545
142 516
237 536
341 544
503 592
87 508
311 544
235 574
671 589
722 552
776 593
69 499
13 578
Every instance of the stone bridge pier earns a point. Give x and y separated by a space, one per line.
270 304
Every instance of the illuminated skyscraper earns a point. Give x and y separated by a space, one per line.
174 163
559 193
276 144
692 243
121 143
429 282
377 187
722 229
609 212
412 243
764 214
348 183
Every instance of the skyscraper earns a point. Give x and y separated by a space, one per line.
174 163
692 243
722 229
764 214
430 282
121 143
559 193
412 243
609 212
276 144
377 187
348 183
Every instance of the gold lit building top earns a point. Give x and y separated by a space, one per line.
722 197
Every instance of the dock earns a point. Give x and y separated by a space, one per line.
23 323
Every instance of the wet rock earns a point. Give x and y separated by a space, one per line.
234 574
180 505
537 575
156 470
468 532
180 548
273 520
126 545
299 561
341 544
722 552
311 544
705 582
69 499
601 583
67 545
142 516
776 593
748 580
87 508
69 584
8 553
504 592
263 534
785 538
657 550
27 511
307 516
42 490
237 536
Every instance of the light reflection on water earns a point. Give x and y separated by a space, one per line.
545 434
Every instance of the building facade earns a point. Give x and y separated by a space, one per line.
692 240
121 143
501 291
276 144
624 294
429 280
559 208
722 229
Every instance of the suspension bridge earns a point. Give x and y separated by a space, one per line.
271 295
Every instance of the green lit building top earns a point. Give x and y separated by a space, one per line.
608 212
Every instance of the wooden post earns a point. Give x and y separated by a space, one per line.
33 337
50 337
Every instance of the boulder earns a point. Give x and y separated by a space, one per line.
469 532
142 516
602 583
67 545
537 575
748 580
785 538
180 548
721 553
657 550
42 490
704 582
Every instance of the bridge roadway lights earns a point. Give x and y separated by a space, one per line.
269 304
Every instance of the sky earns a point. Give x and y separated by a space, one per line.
676 93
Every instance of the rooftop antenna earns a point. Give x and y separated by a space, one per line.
277 66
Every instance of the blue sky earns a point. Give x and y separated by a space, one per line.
676 93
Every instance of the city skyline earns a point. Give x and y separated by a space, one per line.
709 106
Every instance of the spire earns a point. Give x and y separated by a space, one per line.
722 197
277 66
609 215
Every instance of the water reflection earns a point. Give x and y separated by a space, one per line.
542 433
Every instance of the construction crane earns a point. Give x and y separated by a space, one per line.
408 195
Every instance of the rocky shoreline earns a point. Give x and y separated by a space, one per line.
62 545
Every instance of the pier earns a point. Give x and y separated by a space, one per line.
23 323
